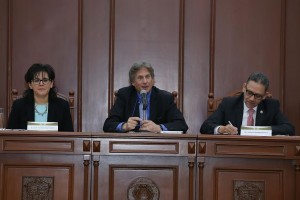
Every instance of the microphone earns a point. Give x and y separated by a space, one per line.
145 103
144 99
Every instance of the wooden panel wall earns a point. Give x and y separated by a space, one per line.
195 47
3 52
292 70
247 38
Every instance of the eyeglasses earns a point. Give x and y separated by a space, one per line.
37 81
249 94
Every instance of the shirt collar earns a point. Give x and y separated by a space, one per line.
246 108
140 96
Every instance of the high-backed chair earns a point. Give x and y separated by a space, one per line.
15 95
174 93
213 103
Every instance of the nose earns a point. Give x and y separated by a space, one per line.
144 80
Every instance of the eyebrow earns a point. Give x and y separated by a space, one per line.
141 76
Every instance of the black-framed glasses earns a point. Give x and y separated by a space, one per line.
249 94
37 81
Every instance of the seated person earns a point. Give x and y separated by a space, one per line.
251 108
128 110
39 102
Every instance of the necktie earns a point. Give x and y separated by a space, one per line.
250 120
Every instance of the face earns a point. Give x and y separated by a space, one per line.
143 80
41 85
254 93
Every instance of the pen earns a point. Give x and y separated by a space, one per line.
230 123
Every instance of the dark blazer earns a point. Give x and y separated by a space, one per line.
231 109
23 111
163 110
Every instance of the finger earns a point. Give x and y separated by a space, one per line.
137 119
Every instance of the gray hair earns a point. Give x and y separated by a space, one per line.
136 67
259 77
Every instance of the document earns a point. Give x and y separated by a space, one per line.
171 132
42 126
256 130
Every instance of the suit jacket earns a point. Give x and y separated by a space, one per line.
231 109
163 110
23 111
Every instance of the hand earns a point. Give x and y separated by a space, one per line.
228 130
148 125
131 123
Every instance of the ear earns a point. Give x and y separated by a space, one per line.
267 95
52 83
29 85
244 87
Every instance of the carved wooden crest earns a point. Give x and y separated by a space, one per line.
37 188
142 189
249 190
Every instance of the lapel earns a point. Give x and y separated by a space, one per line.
51 112
259 114
134 104
30 110
153 104
238 112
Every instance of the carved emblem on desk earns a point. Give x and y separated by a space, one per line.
37 188
142 188
246 190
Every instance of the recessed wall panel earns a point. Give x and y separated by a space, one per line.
247 38
44 32
147 31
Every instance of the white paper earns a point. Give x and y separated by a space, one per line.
256 130
42 126
172 132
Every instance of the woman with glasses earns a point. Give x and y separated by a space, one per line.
40 102
251 108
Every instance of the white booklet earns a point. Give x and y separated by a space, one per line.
256 130
42 126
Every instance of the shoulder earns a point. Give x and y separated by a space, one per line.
161 96
60 102
126 92
160 92
270 102
126 89
21 102
232 99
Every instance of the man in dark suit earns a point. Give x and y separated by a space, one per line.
251 108
127 113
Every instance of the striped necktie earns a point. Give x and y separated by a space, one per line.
250 120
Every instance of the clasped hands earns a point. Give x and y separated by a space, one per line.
146 125
228 130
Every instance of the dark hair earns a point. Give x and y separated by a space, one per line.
259 77
136 67
33 73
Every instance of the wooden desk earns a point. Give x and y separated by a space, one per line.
241 167
84 166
